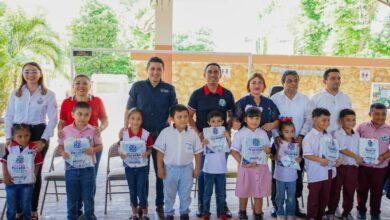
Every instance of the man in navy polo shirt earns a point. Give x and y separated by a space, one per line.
210 97
154 97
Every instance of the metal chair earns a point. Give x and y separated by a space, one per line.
53 176
116 174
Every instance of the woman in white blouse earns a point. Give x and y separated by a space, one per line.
31 103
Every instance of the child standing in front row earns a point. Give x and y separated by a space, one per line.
176 146
80 181
137 176
372 177
19 189
286 176
215 169
347 173
253 180
319 173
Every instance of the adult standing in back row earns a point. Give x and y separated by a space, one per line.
210 97
330 98
154 97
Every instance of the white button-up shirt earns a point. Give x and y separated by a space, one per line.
350 142
32 109
244 133
178 148
334 104
298 108
311 146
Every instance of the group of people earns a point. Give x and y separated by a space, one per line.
174 136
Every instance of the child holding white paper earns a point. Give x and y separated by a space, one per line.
286 176
19 188
137 174
80 181
253 180
372 177
215 168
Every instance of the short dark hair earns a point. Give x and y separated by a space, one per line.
177 108
18 127
213 64
326 73
83 105
377 106
252 112
345 112
289 73
214 114
318 112
155 60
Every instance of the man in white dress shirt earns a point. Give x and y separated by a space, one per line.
296 105
330 98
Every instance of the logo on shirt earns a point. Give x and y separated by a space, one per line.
164 90
40 101
215 131
222 102
385 139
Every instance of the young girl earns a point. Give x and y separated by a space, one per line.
234 125
286 176
20 168
253 180
136 173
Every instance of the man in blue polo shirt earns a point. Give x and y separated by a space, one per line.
154 97
209 97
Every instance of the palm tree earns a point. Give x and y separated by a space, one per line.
24 39
28 38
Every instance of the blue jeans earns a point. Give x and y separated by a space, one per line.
178 180
281 189
220 182
80 183
19 194
201 183
137 179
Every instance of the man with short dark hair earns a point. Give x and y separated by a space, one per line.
330 98
296 105
154 97
209 97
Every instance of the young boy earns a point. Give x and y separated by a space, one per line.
20 158
214 170
80 181
347 173
319 173
176 146
372 177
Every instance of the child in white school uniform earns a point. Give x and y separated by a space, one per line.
177 146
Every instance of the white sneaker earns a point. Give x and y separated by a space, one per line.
338 214
330 217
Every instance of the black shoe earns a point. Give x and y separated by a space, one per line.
159 210
259 216
299 214
79 213
184 217
242 215
199 213
375 217
361 215
169 217
139 212
273 213
228 213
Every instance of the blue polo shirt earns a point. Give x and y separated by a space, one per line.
203 101
270 112
154 103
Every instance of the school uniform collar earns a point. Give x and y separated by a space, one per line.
207 90
88 126
371 123
16 144
131 134
25 89
317 132
174 127
345 133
